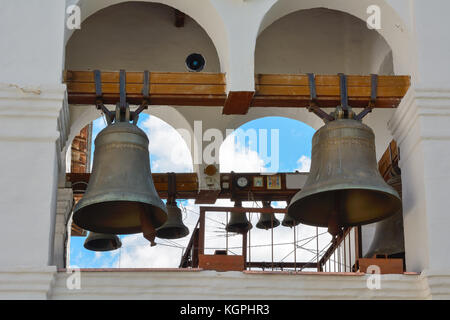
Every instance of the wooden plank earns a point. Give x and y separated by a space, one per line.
387 266
155 77
221 262
238 102
209 89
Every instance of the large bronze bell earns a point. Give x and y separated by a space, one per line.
344 186
267 220
174 227
102 242
238 221
388 239
121 194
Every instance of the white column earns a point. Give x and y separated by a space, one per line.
33 122
63 209
421 126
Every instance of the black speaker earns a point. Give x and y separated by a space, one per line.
195 62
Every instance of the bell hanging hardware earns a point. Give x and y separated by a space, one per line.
344 186
121 197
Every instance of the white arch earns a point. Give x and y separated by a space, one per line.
83 115
202 11
394 30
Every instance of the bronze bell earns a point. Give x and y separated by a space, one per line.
288 221
388 239
267 220
344 186
174 227
121 194
102 242
238 221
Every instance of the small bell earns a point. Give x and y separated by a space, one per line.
267 220
174 227
389 236
102 242
238 221
288 221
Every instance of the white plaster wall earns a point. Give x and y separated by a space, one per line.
206 285
138 36
320 41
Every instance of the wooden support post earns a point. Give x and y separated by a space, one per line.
179 18
244 249
195 250
238 102
201 242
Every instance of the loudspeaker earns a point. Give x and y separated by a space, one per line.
195 62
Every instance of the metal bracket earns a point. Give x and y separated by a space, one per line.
146 94
313 107
99 97
373 97
171 187
344 93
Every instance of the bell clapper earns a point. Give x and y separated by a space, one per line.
333 225
148 230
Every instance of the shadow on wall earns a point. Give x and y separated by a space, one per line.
138 36
322 41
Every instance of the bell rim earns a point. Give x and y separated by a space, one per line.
160 232
116 239
311 222
247 228
275 224
83 222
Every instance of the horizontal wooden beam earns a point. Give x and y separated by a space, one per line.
281 265
209 89
238 102
259 188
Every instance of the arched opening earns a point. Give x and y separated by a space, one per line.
321 41
394 30
135 250
268 145
138 36
305 38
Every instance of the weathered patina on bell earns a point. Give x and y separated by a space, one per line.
389 236
238 221
121 193
344 186
102 242
267 220
174 227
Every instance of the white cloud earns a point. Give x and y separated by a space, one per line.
167 146
304 164
235 157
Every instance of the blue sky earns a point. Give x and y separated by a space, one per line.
294 154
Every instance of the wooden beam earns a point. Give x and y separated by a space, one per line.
179 18
187 186
238 102
209 89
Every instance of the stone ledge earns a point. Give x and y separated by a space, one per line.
27 283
